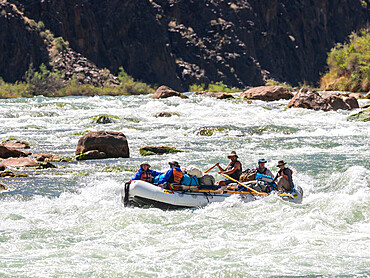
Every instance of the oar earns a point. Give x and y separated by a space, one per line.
251 189
210 168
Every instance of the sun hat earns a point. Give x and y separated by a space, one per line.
280 163
262 160
233 153
144 163
174 163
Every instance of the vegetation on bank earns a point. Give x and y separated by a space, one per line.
218 87
52 84
349 65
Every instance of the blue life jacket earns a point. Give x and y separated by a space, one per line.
263 177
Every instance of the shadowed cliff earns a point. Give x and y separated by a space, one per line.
182 42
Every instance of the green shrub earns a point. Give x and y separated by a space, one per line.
197 88
60 44
128 86
349 65
44 82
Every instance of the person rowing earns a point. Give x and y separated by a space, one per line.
233 169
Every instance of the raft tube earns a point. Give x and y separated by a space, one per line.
141 193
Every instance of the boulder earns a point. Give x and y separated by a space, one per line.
166 92
152 150
268 93
356 95
310 99
335 102
19 161
6 152
113 144
15 144
351 102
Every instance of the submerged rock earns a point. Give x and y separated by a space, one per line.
95 154
46 165
104 119
152 150
225 96
166 92
48 157
268 93
112 144
166 114
364 116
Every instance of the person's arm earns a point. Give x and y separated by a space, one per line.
138 175
166 177
277 175
232 170
219 167
155 173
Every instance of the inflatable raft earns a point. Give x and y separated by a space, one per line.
141 193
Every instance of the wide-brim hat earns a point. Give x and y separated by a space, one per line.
262 160
144 163
280 163
233 153
174 163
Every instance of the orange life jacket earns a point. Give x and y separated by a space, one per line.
177 176
146 176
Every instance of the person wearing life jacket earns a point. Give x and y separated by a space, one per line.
173 175
262 169
145 173
283 178
233 169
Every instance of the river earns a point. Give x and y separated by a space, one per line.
70 221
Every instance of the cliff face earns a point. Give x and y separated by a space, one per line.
180 42
20 44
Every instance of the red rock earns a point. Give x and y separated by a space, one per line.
356 95
6 152
47 157
310 99
113 144
18 161
225 96
92 155
268 93
15 144
166 92
351 102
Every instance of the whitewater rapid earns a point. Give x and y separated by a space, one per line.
70 221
